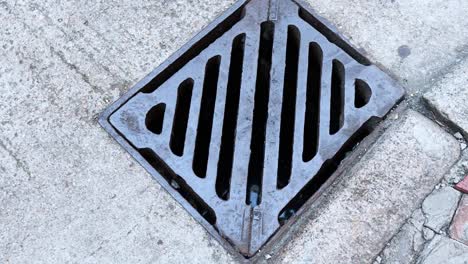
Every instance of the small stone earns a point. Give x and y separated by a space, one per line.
428 233
394 117
267 256
417 219
463 146
465 165
378 259
458 136
439 208
175 184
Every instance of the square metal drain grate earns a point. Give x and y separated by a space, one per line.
249 120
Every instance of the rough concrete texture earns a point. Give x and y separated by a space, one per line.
114 44
402 36
444 250
450 96
459 226
377 195
68 192
439 208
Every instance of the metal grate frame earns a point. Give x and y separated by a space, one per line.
250 118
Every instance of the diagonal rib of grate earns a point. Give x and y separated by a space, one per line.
241 125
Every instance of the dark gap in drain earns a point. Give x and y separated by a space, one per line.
288 109
332 36
155 118
196 48
337 97
313 187
260 114
226 152
362 93
181 115
179 184
205 121
312 112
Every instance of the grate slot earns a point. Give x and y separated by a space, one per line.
312 114
231 110
337 97
362 93
155 117
205 121
288 108
260 114
181 115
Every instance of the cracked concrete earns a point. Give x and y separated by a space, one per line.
439 208
407 243
431 223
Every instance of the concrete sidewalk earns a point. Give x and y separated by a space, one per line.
70 194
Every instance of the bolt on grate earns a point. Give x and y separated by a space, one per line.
250 119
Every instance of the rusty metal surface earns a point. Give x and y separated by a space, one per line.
238 121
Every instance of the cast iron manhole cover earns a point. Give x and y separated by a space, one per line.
250 118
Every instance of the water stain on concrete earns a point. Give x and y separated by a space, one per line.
404 51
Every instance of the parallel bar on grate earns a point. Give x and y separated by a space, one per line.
311 127
245 116
206 115
218 114
229 120
337 96
274 108
260 115
288 107
181 115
